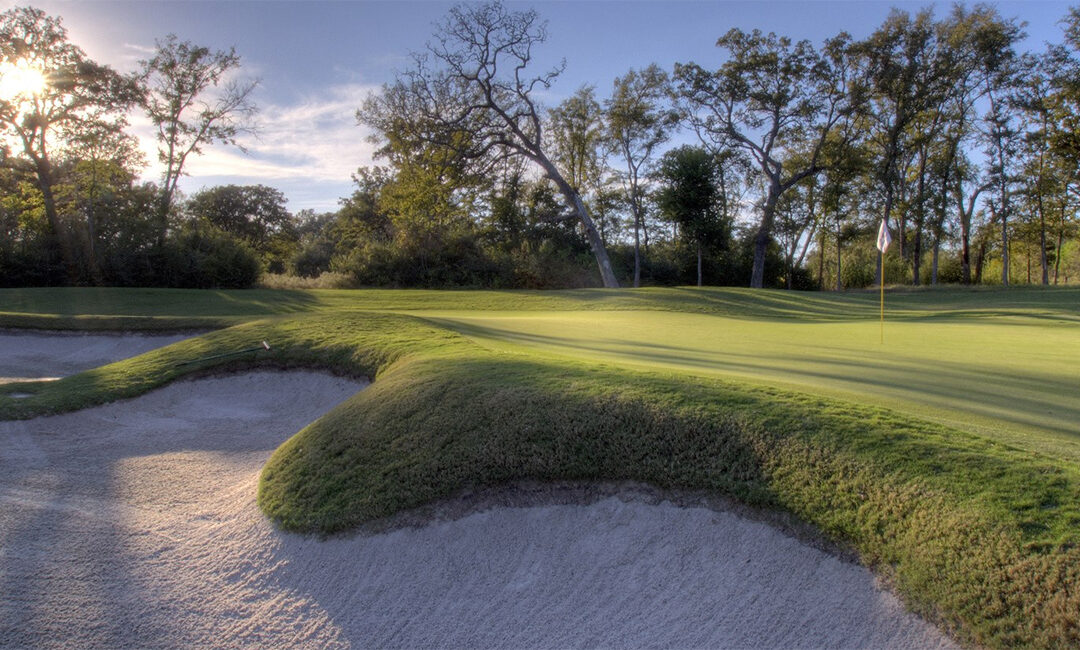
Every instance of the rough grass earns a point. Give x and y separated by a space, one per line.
978 535
327 280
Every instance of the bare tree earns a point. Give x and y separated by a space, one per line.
193 102
473 94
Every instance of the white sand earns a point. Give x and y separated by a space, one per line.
33 355
134 525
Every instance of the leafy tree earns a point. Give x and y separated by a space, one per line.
958 181
360 218
472 94
575 128
104 163
688 196
192 102
904 81
1041 175
1000 66
255 214
637 125
771 98
60 94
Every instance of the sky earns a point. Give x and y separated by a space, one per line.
316 61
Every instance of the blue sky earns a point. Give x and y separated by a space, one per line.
316 61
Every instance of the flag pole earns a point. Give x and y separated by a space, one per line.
881 257
883 241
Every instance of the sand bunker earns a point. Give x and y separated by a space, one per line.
135 524
36 356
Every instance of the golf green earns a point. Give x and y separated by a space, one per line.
1015 378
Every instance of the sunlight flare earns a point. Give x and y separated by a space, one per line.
20 80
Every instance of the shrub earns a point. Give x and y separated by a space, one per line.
207 258
328 280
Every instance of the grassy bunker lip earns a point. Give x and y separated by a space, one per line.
975 534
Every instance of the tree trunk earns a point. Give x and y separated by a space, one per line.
965 233
979 257
91 248
1057 257
91 230
637 245
821 259
839 284
699 262
1042 244
916 256
761 240
920 221
607 274
1004 248
63 239
934 267
965 253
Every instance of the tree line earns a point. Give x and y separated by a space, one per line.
773 168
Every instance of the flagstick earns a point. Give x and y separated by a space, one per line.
881 256
883 239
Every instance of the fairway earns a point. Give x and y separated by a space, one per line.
1014 378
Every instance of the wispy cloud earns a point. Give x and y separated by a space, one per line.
314 141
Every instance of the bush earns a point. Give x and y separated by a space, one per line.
328 280
312 259
457 261
207 258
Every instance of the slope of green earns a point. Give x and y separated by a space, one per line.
976 532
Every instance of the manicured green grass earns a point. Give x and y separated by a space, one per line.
748 394
1016 379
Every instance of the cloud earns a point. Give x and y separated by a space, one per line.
314 141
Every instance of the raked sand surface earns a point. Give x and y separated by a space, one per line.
134 524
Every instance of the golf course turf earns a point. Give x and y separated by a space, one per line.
947 458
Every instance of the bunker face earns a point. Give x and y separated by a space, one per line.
135 524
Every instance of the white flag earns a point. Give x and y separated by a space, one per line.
883 237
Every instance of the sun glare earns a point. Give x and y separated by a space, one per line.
20 81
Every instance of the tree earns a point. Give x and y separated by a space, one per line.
103 161
178 82
51 89
575 128
798 219
904 80
1001 73
688 196
637 124
773 99
472 94
255 214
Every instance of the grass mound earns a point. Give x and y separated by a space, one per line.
979 536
